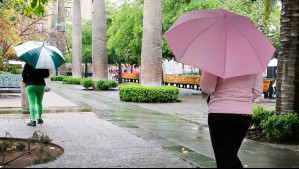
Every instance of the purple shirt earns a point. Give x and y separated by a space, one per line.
233 95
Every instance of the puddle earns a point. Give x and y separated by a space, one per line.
178 149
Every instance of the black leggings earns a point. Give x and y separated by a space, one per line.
227 133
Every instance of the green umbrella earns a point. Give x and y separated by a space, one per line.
39 55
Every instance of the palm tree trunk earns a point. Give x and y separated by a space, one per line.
61 27
25 102
288 59
151 55
57 38
77 40
99 41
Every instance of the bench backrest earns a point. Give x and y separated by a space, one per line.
192 80
130 76
11 80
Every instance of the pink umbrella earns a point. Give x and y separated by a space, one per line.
219 42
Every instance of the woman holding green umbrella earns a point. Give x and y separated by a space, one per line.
34 80
39 58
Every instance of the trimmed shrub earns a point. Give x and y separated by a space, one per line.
106 85
112 84
57 78
259 115
138 93
71 80
87 83
282 128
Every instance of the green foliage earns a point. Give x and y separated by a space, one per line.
282 127
125 24
68 57
71 80
34 7
112 84
46 159
4 73
138 93
12 69
125 34
20 147
106 85
255 11
44 139
86 42
1 62
87 83
172 10
4 145
276 127
260 115
57 78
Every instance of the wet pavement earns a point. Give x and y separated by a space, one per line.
177 128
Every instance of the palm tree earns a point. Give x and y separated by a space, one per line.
76 40
57 38
61 27
288 59
99 41
151 55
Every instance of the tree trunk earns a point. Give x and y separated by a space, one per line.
61 38
57 38
120 76
99 41
151 55
77 40
25 102
288 60
86 70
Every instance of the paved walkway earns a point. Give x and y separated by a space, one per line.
108 133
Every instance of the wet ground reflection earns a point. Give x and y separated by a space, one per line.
52 110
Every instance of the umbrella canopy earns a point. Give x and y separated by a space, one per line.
219 42
40 55
273 63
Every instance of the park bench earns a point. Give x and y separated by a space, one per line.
10 83
182 81
132 77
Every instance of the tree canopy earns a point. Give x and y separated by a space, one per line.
125 23
15 27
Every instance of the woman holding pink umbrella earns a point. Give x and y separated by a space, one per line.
232 54
230 111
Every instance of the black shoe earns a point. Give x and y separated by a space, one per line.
31 123
40 121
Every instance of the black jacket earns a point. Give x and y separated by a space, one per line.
33 76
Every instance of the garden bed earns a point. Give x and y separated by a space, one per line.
21 153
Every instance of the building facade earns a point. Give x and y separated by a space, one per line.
86 9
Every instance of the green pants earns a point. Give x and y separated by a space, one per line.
35 97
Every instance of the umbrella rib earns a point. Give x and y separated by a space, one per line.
247 41
187 22
225 48
198 36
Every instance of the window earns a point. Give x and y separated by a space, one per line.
39 28
68 12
